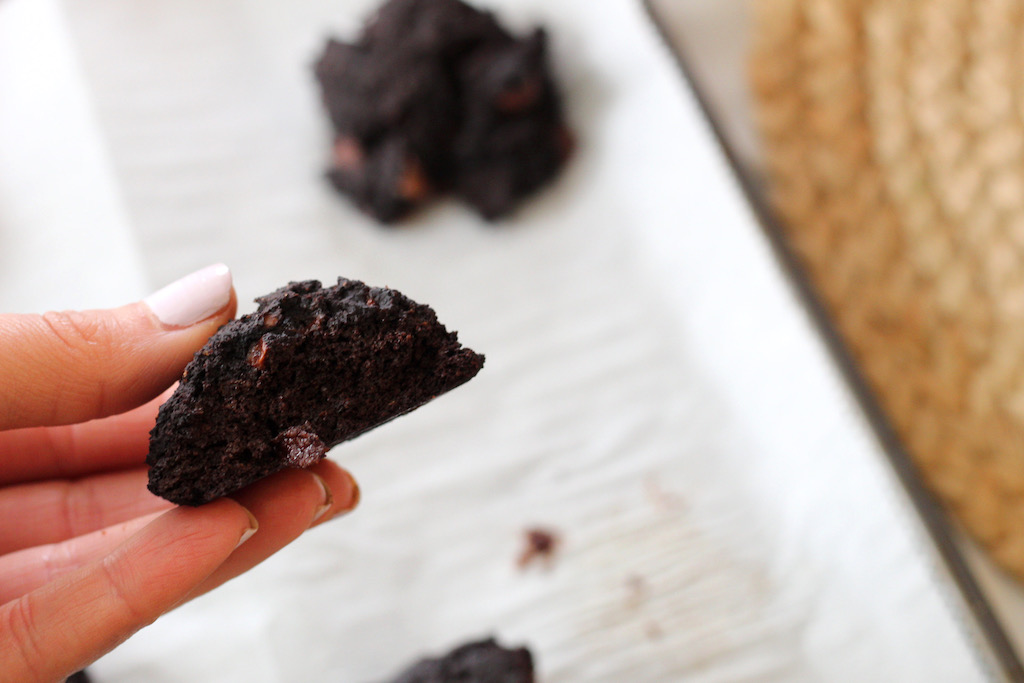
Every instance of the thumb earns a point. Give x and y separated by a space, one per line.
72 366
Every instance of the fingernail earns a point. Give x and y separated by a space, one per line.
352 499
345 500
193 298
254 526
327 497
356 495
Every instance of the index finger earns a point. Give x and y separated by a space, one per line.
67 367
72 451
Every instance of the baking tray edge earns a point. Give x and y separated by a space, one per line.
978 620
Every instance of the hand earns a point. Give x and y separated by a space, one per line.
87 555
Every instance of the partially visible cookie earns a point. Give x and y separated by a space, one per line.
480 662
512 139
312 367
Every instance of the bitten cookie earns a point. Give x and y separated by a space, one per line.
312 367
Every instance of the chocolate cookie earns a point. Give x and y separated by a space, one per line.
312 367
434 97
480 662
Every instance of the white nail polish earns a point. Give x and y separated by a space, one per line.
193 298
246 535
254 526
327 497
321 511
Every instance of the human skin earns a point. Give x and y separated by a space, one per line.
87 555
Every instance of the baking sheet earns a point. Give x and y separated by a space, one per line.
652 390
711 39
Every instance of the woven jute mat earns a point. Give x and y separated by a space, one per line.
893 135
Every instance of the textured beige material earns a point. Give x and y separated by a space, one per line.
894 144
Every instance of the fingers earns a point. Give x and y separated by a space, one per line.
286 516
24 571
73 366
65 625
286 504
52 511
96 602
70 451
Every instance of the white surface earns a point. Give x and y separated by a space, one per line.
57 191
652 389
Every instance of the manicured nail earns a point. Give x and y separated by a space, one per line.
352 499
254 526
193 298
344 500
327 497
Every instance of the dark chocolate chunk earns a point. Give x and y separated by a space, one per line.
435 96
480 662
312 367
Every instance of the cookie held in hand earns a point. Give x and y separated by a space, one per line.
312 367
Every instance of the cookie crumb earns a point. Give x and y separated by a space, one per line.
637 590
540 544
